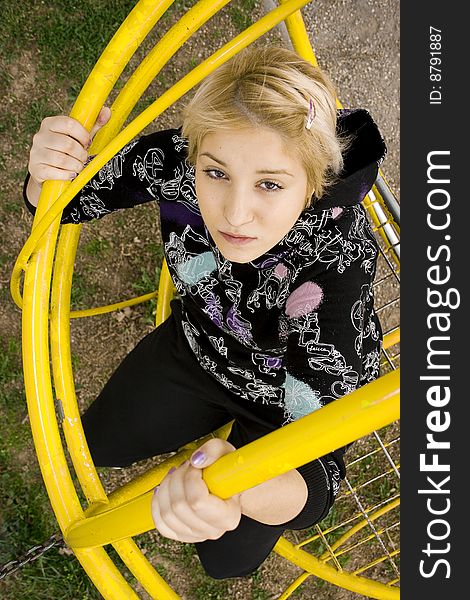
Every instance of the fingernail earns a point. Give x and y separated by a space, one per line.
171 470
198 458
155 491
73 175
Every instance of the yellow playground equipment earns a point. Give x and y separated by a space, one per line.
356 547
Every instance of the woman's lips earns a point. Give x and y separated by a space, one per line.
236 240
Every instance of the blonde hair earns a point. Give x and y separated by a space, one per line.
271 87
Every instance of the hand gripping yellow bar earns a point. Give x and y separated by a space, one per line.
350 417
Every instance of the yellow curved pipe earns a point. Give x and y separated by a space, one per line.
152 64
354 583
369 408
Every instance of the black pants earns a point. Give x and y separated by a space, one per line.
158 400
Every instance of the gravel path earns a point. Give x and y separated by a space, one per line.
357 42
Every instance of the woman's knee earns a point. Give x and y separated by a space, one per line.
240 552
217 569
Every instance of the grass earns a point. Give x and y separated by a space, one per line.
97 247
148 281
25 514
82 291
242 15
68 35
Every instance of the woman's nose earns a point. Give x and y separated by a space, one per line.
238 209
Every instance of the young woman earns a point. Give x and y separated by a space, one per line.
273 259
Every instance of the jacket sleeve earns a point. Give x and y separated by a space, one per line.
333 335
132 177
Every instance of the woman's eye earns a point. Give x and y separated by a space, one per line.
271 186
214 173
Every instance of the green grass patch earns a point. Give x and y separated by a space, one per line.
82 290
97 247
148 281
242 15
10 361
26 518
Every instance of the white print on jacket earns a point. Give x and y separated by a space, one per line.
89 203
358 310
299 399
254 390
330 247
106 176
181 187
273 288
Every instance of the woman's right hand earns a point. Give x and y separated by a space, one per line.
59 149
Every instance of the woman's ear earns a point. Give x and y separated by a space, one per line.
308 200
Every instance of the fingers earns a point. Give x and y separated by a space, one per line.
209 452
46 172
161 523
101 120
54 153
183 508
59 148
66 126
177 514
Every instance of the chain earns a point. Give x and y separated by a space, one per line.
32 554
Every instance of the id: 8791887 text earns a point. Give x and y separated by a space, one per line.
435 65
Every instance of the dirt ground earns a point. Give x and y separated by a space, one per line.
357 43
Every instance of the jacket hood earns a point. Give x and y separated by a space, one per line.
362 158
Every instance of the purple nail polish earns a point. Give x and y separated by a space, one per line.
198 458
171 470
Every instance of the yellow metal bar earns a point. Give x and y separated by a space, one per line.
378 513
392 338
143 571
43 421
370 199
114 58
145 118
105 575
166 290
101 310
128 97
351 417
62 367
38 387
354 583
96 89
293 586
299 36
375 562
41 407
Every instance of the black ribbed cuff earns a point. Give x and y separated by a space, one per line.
320 497
31 208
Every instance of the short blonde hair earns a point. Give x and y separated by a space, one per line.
271 87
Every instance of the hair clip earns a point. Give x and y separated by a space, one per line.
311 115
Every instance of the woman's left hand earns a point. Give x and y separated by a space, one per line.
183 509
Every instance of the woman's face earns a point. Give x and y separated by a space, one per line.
250 190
